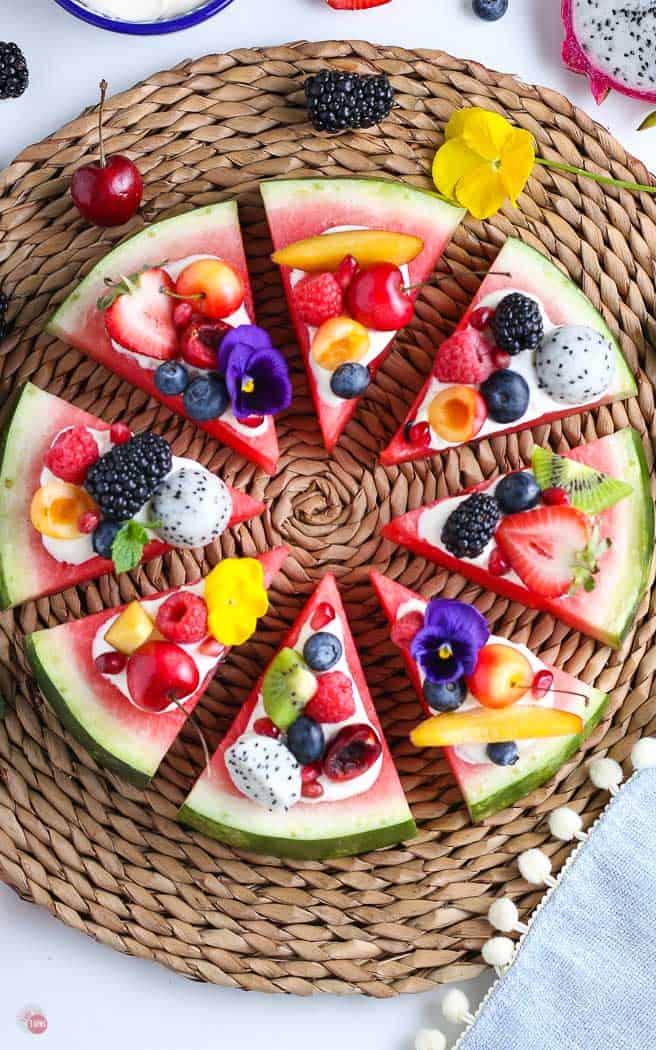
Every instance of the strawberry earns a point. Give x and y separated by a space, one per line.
355 5
404 630
139 315
318 297
333 700
554 550
465 357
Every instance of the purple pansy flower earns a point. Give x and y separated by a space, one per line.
255 372
447 646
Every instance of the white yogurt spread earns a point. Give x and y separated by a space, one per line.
143 10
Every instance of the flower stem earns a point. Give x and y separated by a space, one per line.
607 180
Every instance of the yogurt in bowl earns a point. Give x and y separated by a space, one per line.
143 17
143 10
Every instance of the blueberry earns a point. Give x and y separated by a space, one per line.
305 740
506 395
350 380
103 537
490 10
322 651
505 754
517 492
171 378
445 696
206 397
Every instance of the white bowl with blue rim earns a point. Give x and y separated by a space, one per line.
192 14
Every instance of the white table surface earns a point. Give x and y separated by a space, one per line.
91 996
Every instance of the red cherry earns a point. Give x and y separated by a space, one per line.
501 359
89 521
481 318
418 434
311 772
377 299
351 752
108 193
200 342
312 789
322 615
555 497
111 663
120 433
159 672
542 683
497 564
182 315
265 727
346 271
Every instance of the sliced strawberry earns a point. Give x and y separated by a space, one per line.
141 317
545 547
355 5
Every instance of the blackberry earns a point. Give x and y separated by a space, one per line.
14 75
517 324
346 100
124 479
470 527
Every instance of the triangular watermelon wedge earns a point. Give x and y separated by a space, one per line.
351 817
606 612
213 231
27 569
128 740
517 268
301 208
488 788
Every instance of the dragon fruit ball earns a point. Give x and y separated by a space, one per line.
264 770
574 364
192 507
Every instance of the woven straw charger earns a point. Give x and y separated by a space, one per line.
111 860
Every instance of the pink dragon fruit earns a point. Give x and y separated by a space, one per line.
614 43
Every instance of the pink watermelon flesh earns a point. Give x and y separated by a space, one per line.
300 208
608 611
532 273
113 730
27 570
377 817
485 787
213 230
613 45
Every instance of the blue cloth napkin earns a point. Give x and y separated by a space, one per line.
585 976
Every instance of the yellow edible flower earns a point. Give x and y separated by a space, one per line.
236 597
483 161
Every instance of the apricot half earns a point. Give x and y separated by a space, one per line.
457 413
325 252
339 340
476 726
57 508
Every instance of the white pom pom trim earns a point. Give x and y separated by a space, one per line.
499 952
535 867
503 915
430 1039
643 754
606 774
455 1007
566 824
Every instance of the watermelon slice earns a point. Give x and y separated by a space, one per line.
116 732
488 788
608 611
27 569
340 823
301 208
211 231
564 304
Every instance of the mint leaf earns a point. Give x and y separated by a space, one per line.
128 546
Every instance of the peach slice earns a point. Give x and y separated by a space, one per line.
494 727
57 507
325 252
501 677
130 629
457 413
339 340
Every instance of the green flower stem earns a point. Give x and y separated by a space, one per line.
607 180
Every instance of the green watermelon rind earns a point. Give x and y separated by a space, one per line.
11 411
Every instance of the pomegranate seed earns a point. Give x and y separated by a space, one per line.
120 433
252 421
312 789
542 683
555 497
481 318
311 772
497 564
210 647
182 315
501 359
89 521
346 271
418 433
265 727
323 614
111 663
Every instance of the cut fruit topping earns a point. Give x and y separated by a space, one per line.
333 700
376 297
404 629
130 629
501 677
265 727
57 507
264 770
287 687
160 673
418 434
111 663
338 341
457 413
346 271
552 549
351 752
367 247
322 615
474 726
587 489
213 287
465 357
542 683
183 618
71 455
200 342
140 318
318 297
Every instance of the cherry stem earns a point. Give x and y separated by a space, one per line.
438 278
185 298
194 722
101 116
543 691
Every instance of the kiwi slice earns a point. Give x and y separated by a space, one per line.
287 687
588 489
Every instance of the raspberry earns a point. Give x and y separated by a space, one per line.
318 297
465 357
404 630
71 455
265 727
322 615
333 700
120 433
183 618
